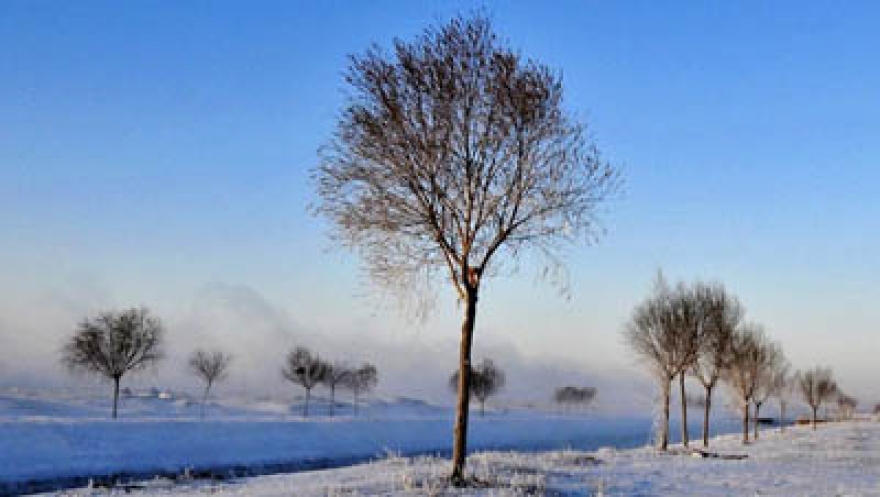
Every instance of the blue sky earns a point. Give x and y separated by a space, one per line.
149 149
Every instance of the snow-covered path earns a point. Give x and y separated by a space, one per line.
838 459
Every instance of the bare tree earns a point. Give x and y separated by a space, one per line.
337 375
362 379
454 153
662 332
723 314
113 343
211 367
770 360
486 380
305 369
817 385
846 405
745 366
782 386
567 396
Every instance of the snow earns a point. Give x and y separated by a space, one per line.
837 459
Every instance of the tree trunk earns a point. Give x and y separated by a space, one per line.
355 392
205 399
459 447
684 411
757 418
746 423
707 406
782 417
332 400
664 428
306 405
482 408
815 413
115 395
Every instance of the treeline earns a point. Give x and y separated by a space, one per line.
115 343
699 331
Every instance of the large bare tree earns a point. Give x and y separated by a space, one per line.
723 314
817 386
453 154
662 333
303 368
113 343
211 367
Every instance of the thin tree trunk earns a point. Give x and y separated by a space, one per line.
757 418
459 447
482 408
815 413
205 400
306 405
782 417
707 406
684 412
355 401
746 423
664 428
115 395
332 400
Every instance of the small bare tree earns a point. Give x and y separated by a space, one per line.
337 375
771 359
846 405
741 375
568 396
663 332
723 314
303 368
782 387
114 343
362 379
454 153
211 367
817 385
486 380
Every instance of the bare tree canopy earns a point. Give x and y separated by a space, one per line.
360 380
211 367
303 368
486 380
114 343
454 153
817 386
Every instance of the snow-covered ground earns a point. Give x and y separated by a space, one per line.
838 459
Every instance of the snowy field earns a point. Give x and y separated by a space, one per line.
838 459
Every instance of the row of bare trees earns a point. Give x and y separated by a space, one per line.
308 370
699 330
569 396
115 343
